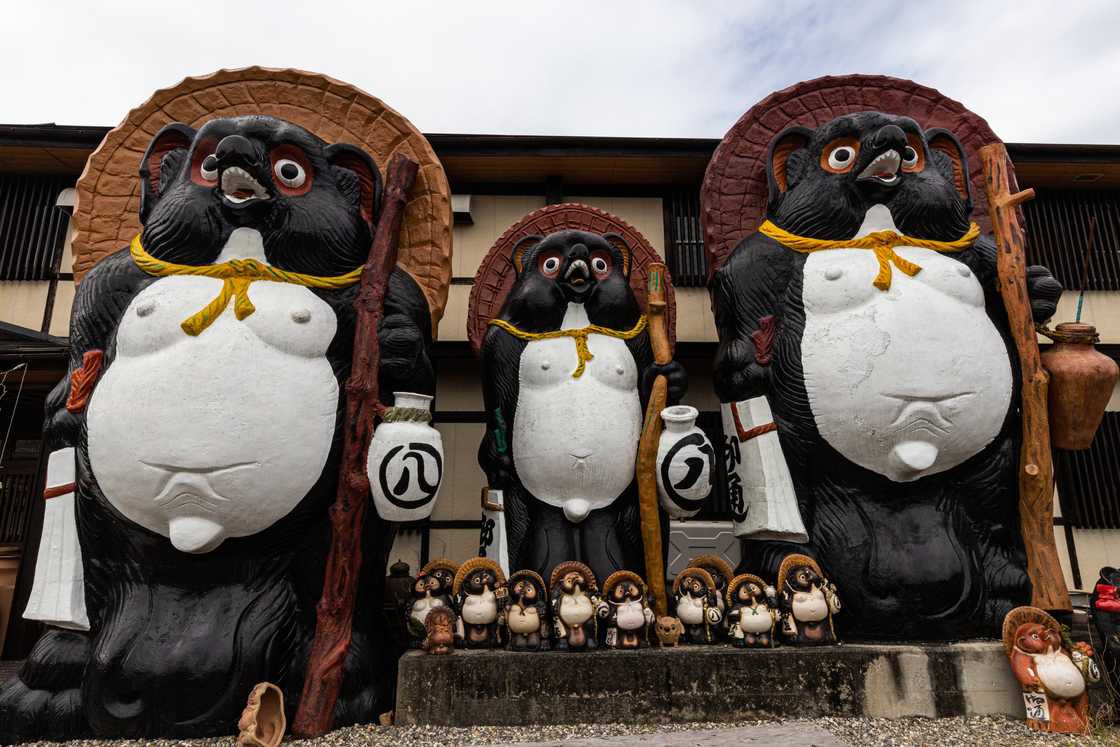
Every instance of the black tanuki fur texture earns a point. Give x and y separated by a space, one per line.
937 558
177 640
539 535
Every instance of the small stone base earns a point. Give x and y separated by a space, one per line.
706 683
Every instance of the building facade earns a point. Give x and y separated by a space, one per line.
653 184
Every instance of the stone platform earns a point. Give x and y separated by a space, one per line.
705 683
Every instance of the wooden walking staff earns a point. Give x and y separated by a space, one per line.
1036 466
651 433
335 612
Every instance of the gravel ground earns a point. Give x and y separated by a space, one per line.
858 732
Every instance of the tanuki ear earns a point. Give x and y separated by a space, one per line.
353 158
949 157
173 140
523 245
623 248
783 146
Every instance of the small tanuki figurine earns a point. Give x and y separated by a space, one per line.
574 602
432 589
626 609
527 615
752 612
669 631
1052 672
721 572
480 596
808 601
440 628
694 593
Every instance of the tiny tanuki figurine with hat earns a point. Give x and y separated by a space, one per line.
480 599
527 622
1053 672
625 609
431 589
575 603
808 602
694 597
752 612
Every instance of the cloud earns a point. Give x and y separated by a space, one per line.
1039 72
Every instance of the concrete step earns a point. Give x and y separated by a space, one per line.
706 683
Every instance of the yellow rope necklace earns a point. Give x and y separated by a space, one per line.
236 275
579 335
880 242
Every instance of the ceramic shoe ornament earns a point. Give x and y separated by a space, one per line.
200 420
721 572
431 589
685 463
752 612
480 598
405 463
439 627
575 605
527 622
1104 610
566 372
808 601
865 362
625 610
1053 672
697 606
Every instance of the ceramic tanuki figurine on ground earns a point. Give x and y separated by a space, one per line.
694 595
1054 676
201 425
752 612
439 626
431 589
808 602
894 437
1104 609
527 615
480 598
625 609
567 369
575 602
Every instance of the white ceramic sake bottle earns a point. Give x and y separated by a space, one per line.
405 461
685 459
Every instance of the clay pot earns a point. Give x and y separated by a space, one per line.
262 723
1081 382
405 463
684 463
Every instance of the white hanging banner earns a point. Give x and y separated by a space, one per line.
763 501
492 541
58 595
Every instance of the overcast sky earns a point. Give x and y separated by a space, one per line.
1039 72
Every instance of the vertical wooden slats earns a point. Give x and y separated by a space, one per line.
1057 231
32 229
688 264
1089 480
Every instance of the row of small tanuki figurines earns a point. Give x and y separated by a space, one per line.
473 605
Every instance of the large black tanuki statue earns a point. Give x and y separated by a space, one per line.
566 371
207 444
864 311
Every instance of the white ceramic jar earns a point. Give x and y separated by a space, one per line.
405 462
685 460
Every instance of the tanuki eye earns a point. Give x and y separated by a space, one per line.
209 168
290 173
842 157
551 265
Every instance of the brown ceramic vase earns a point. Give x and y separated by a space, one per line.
1081 383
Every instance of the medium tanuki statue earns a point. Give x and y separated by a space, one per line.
480 596
432 589
575 605
201 425
625 608
865 313
694 595
752 612
808 602
567 367
527 614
